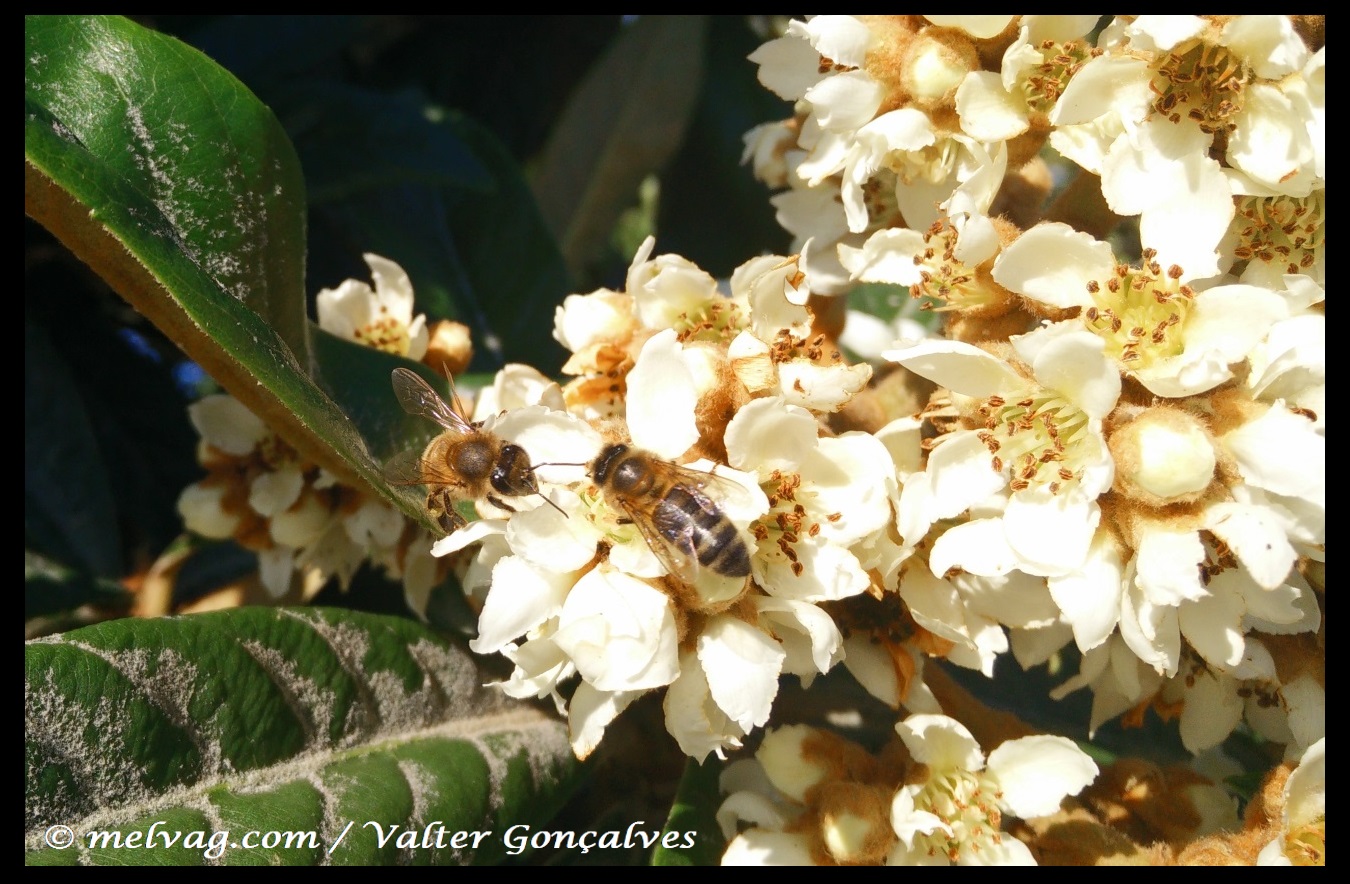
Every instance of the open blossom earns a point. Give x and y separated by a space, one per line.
262 494
1242 77
1036 68
381 317
876 129
811 797
1041 439
954 813
1173 338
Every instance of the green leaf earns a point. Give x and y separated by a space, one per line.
278 720
624 122
143 205
214 177
692 836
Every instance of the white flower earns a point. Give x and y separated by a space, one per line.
1173 339
1036 67
955 813
825 495
1042 441
1248 77
1302 838
381 317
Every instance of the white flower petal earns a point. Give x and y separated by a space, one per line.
874 668
1050 533
843 39
1213 626
1212 710
941 742
619 632
1005 852
1151 632
522 597
1037 773
202 511
824 572
1054 264
908 822
988 112
1257 537
886 256
764 847
959 474
224 422
1271 142
958 366
1306 789
1299 468
698 724
1164 32
1073 362
787 66
1103 84
742 666
662 397
767 434
978 546
590 712
1089 596
1168 566
808 635
846 101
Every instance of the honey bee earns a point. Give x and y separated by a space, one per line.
465 460
684 527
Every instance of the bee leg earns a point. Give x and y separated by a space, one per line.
499 503
450 521
441 508
624 520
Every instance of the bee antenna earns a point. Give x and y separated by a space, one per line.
555 506
557 464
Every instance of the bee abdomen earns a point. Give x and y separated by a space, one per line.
715 540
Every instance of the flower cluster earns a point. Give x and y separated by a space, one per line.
809 797
305 526
717 400
1118 451
1117 465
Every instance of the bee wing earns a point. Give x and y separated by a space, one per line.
669 538
419 398
404 469
410 468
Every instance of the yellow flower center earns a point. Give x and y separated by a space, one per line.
1283 231
1140 313
716 321
1306 845
787 521
1038 438
944 279
1044 83
968 803
385 333
1201 82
